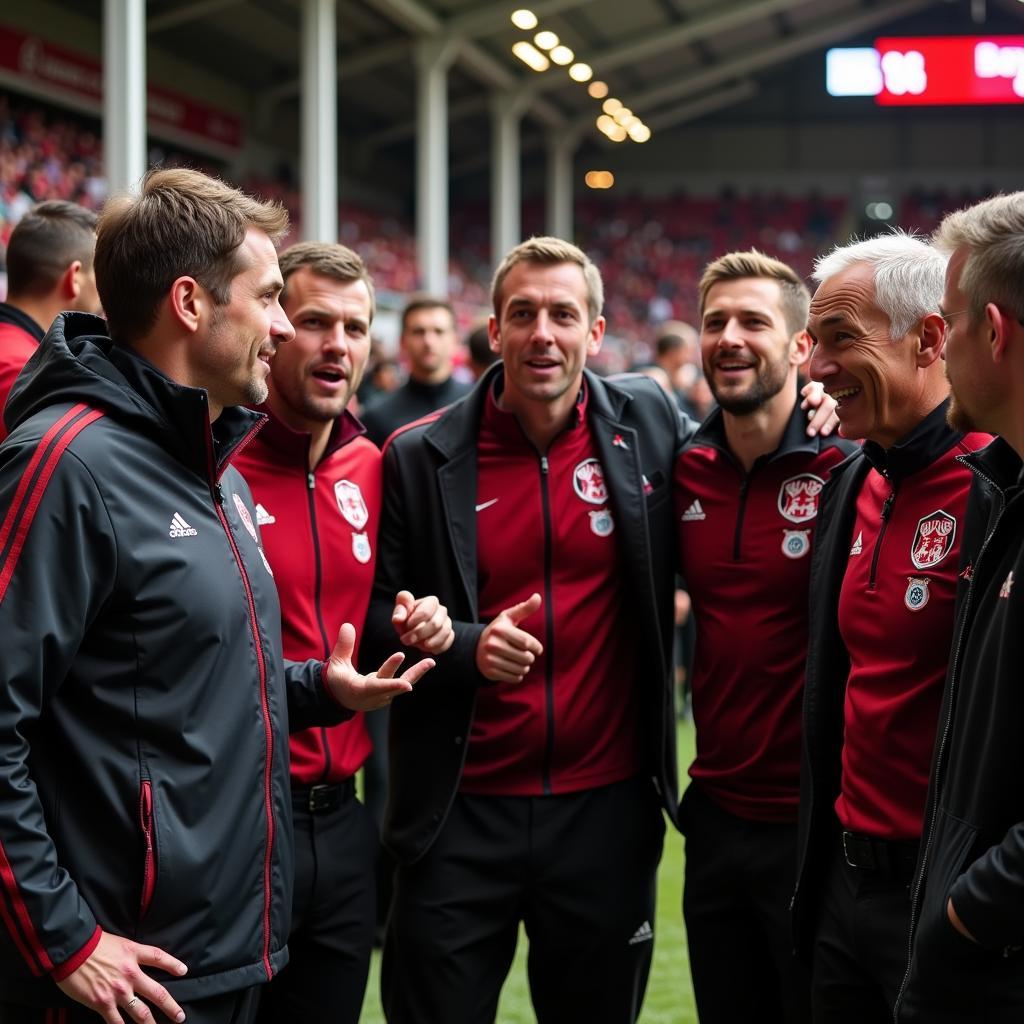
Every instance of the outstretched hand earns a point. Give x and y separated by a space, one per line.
505 653
377 690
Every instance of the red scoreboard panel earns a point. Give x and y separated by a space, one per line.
950 70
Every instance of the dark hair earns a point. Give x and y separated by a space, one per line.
328 259
45 242
478 342
183 222
418 302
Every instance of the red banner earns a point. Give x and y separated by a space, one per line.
36 61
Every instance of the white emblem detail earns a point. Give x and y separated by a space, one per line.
486 504
933 539
601 523
798 497
858 544
917 594
243 514
361 547
645 933
796 543
266 564
694 513
588 482
351 504
1004 590
179 528
263 517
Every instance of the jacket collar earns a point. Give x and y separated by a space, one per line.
12 315
293 445
997 462
794 436
920 448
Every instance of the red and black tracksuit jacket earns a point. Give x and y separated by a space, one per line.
744 553
19 338
319 530
883 583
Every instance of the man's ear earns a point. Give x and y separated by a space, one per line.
189 303
1001 327
493 334
69 285
931 339
799 349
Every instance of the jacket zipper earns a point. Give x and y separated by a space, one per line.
886 513
147 823
740 515
268 730
317 587
939 758
549 626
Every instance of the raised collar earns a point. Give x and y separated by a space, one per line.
12 315
917 449
293 445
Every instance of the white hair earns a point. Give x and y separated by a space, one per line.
910 275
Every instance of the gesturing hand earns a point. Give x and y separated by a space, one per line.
505 652
821 409
422 623
112 983
367 693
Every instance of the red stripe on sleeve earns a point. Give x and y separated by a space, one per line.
62 971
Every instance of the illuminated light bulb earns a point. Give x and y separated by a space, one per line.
584 72
546 40
530 55
599 179
605 123
562 55
639 132
622 113
598 90
611 105
524 19
617 133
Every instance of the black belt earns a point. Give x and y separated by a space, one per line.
327 796
891 858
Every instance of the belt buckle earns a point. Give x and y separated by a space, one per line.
858 852
321 798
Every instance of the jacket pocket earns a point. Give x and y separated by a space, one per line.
147 823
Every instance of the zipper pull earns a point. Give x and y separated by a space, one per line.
310 481
544 464
218 493
887 506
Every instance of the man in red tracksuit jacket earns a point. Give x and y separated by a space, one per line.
316 482
49 269
884 577
746 496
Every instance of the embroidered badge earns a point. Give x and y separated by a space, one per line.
619 442
351 504
917 593
858 544
361 547
933 539
588 482
798 497
601 523
243 514
796 543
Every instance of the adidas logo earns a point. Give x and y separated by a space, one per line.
179 528
263 517
858 544
692 514
645 933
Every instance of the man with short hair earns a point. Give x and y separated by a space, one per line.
145 818
428 342
527 784
966 963
883 580
746 501
316 482
49 269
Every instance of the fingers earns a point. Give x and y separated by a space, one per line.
345 646
504 671
414 673
523 610
404 603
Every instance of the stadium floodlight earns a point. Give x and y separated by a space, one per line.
584 72
605 123
524 19
598 89
530 55
617 133
622 114
639 132
599 179
853 71
611 106
562 55
546 39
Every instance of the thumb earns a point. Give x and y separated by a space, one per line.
403 605
346 643
524 609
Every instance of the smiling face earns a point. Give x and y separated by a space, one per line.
748 353
313 378
873 378
543 333
232 359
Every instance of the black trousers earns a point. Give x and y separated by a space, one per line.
577 870
861 944
231 1008
739 881
333 916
